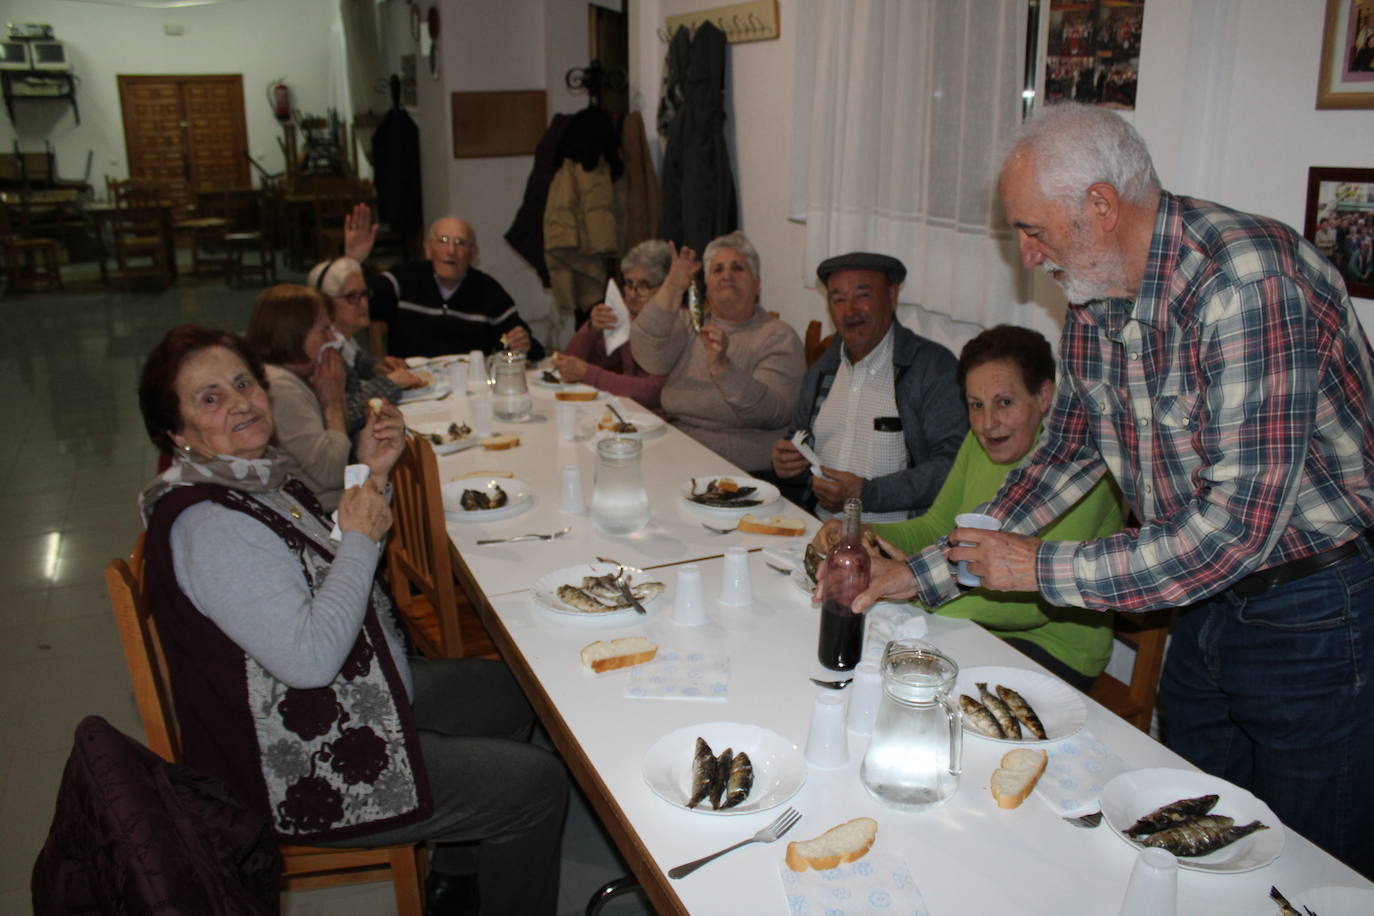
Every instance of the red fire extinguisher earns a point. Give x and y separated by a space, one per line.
280 97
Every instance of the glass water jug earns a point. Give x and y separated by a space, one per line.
913 759
620 504
510 393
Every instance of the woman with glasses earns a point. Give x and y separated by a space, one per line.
365 376
585 358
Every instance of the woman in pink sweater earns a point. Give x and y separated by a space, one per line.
585 359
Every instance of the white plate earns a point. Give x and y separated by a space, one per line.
1335 901
647 426
765 491
449 446
1132 795
519 492
546 588
1059 707
779 768
537 378
436 386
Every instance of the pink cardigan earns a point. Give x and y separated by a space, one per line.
615 372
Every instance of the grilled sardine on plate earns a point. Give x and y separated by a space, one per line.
1202 835
1172 814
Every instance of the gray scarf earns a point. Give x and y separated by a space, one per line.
250 475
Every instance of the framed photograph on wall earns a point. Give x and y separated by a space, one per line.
1347 65
1340 222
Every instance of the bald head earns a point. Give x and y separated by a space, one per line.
451 247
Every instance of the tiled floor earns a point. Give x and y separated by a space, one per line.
72 460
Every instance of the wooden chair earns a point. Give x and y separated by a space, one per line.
141 227
303 866
423 563
29 262
1135 701
206 228
251 231
813 344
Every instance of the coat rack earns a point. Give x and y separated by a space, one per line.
741 22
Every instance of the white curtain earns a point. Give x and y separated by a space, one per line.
902 109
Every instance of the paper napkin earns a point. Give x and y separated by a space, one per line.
617 336
889 620
355 475
681 676
1078 770
880 882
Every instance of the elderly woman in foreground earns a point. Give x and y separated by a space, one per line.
585 359
1007 376
365 376
732 385
290 677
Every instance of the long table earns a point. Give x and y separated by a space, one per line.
967 856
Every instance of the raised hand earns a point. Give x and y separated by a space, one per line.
360 233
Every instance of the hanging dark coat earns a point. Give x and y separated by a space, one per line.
396 168
699 201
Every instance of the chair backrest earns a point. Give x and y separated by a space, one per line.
813 344
418 557
138 208
143 653
1148 634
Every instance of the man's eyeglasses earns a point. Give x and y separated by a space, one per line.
643 287
451 241
353 298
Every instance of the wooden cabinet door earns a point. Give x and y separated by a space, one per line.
185 132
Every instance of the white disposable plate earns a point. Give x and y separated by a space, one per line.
647 426
436 386
1335 901
519 492
779 768
449 446
1132 795
1059 707
546 588
765 491
537 378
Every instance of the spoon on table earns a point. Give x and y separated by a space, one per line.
618 418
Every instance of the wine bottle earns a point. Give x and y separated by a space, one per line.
846 575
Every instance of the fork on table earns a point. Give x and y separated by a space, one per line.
785 822
526 537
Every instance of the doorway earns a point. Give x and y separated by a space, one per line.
608 40
187 133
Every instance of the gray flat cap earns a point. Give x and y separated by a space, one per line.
863 260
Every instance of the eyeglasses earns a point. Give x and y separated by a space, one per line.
451 241
643 287
353 298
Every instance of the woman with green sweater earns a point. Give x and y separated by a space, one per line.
1007 376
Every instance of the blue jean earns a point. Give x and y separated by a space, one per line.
1274 694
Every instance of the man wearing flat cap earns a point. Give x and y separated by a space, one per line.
881 408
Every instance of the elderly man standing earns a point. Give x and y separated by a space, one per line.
1212 363
441 305
881 407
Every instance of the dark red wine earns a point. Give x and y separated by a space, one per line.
842 637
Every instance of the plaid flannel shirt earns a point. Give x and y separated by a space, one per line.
1231 402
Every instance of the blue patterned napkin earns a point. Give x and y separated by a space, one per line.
1078 770
878 883
681 676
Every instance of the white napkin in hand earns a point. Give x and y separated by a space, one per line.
681 676
1077 771
799 440
355 475
880 882
619 335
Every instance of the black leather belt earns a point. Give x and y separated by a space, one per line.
1259 582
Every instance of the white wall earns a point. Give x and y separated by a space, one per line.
260 39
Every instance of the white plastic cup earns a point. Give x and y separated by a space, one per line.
1153 888
736 589
865 695
973 520
689 608
477 372
481 415
567 419
457 377
570 498
827 744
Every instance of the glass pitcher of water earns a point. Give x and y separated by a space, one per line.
510 392
620 505
913 759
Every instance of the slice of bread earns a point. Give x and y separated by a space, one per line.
576 394
500 443
618 653
1015 779
837 846
375 404
778 524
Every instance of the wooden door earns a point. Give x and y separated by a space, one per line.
187 133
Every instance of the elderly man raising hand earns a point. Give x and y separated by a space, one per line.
881 407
